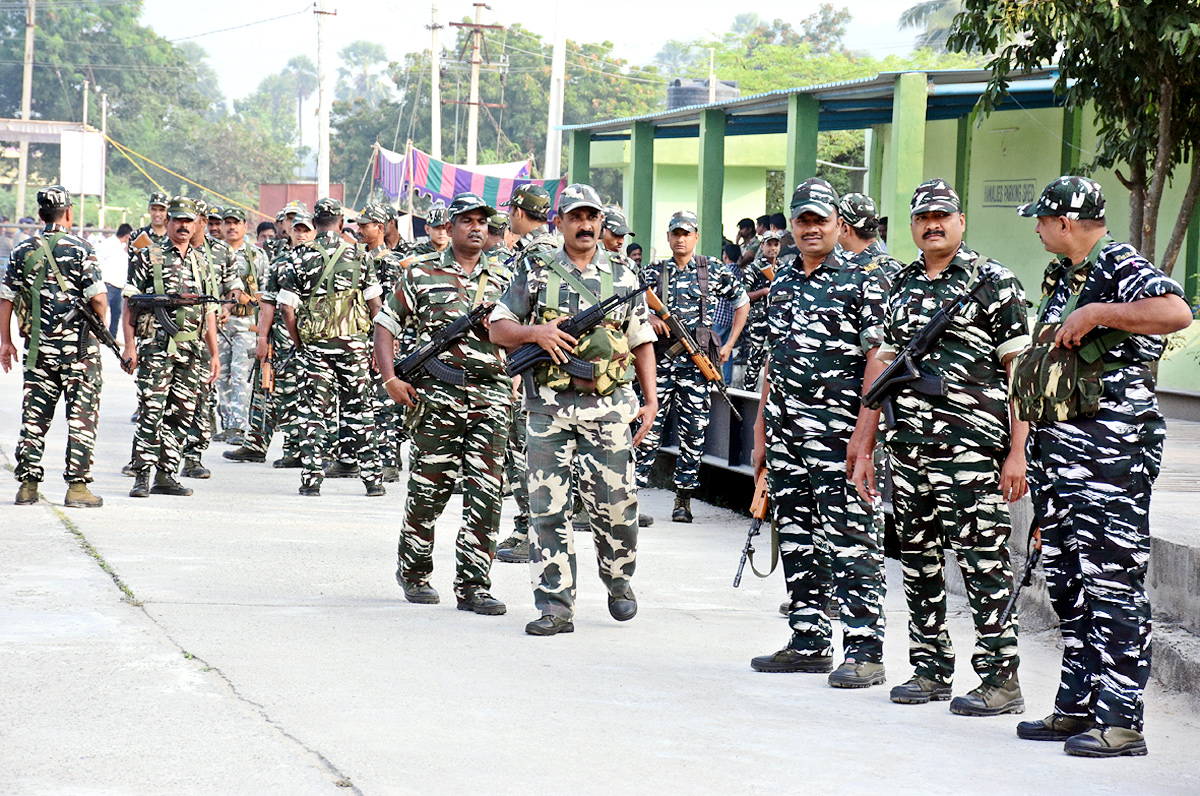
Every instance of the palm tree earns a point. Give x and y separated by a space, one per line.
933 18
303 73
364 73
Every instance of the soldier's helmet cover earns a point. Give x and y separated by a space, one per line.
1072 197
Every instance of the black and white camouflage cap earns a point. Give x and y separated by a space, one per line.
53 197
684 219
856 209
934 196
816 196
1072 197
578 195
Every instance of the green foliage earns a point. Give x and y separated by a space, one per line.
363 74
1133 61
934 19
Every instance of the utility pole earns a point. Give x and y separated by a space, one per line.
83 153
435 84
552 167
712 76
477 30
104 149
26 101
323 100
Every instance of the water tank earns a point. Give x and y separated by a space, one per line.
682 92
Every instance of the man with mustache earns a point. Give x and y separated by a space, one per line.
575 423
821 328
327 295
688 286
956 457
455 428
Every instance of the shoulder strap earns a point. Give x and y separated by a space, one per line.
331 260
44 252
702 278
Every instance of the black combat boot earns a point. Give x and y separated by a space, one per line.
683 506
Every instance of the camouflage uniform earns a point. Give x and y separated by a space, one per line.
335 369
680 384
946 454
754 335
389 418
280 410
237 344
53 368
1091 478
170 371
820 326
569 430
455 430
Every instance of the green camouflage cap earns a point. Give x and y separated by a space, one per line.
856 209
183 207
578 195
498 222
294 206
327 207
814 195
388 211
437 216
934 196
1072 197
614 221
533 198
53 197
684 219
772 234
466 202
216 211
303 218
158 199
372 214
236 213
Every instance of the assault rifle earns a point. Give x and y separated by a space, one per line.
161 305
685 343
531 354
758 510
1031 560
905 369
84 316
425 358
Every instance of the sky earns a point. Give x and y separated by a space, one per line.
254 49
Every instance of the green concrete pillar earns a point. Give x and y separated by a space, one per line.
710 185
906 158
1191 260
962 161
640 211
803 111
875 178
579 168
1072 138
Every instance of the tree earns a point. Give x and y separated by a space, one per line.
825 30
304 82
1134 62
364 73
934 19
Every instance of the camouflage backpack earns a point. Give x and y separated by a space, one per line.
1054 383
334 313
605 347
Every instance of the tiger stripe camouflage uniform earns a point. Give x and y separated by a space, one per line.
234 386
455 430
589 434
680 384
820 326
47 284
170 370
1091 478
333 371
947 453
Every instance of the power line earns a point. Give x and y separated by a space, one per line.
247 25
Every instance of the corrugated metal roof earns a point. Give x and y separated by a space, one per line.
842 93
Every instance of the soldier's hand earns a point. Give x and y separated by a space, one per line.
726 352
759 457
8 353
1013 484
864 480
262 349
645 416
214 370
555 341
131 357
401 392
1074 328
660 327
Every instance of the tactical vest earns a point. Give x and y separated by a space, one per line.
341 313
146 326
706 338
1055 383
605 346
29 308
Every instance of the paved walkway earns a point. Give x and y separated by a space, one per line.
249 641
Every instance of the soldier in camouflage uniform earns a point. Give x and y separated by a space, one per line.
389 419
528 218
497 244
822 327
455 429
689 287
956 457
170 370
580 423
757 285
47 273
156 230
238 341
616 228
1092 467
274 348
328 295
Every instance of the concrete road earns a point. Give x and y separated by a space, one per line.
249 641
